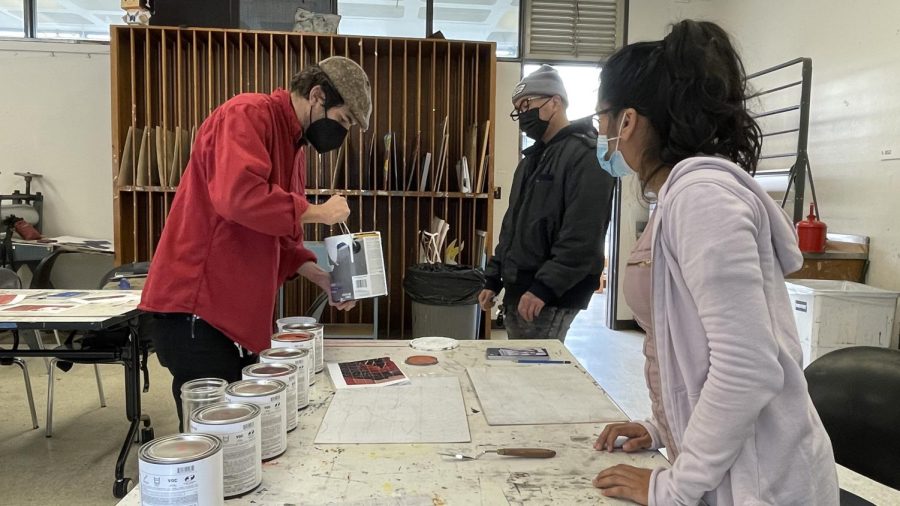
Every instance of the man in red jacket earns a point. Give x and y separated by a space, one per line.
235 230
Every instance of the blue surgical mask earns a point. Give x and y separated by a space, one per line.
616 165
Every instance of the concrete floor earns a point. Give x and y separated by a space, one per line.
76 465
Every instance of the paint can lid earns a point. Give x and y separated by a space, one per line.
268 370
284 353
302 326
180 448
225 413
298 336
255 387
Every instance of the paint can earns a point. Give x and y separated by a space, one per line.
297 357
284 372
299 339
198 393
238 426
269 395
288 320
181 469
318 330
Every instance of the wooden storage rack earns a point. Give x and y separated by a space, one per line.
174 77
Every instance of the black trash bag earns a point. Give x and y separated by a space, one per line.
443 285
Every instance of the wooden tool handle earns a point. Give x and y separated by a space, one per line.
535 453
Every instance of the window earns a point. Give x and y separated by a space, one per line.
582 84
482 20
572 30
76 19
382 18
12 18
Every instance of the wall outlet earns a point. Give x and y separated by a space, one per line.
890 154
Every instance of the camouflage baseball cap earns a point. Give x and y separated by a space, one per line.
351 81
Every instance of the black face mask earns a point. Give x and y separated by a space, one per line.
325 134
532 125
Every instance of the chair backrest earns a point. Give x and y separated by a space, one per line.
856 391
132 269
317 307
9 279
70 269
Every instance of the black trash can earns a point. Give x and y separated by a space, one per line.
444 300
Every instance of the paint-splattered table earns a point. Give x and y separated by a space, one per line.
415 475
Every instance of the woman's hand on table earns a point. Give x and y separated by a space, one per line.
638 437
626 482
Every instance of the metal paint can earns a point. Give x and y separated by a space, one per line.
316 329
298 339
284 372
181 469
198 393
288 320
269 395
238 426
297 357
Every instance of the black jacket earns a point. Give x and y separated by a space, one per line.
553 234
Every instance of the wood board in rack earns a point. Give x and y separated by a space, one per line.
433 102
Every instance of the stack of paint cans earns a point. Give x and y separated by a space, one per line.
271 397
239 426
304 341
286 373
198 393
300 359
318 330
182 469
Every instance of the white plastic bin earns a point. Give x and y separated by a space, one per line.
831 315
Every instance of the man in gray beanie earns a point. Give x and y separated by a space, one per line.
550 255
235 231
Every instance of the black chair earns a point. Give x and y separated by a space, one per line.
9 280
317 307
856 391
91 341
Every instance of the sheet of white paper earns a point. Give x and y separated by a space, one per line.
430 410
525 394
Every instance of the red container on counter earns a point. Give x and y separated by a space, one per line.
811 233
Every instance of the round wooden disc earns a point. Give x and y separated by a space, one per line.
421 360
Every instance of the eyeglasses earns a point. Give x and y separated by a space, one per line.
595 118
525 106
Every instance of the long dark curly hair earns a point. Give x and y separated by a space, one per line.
692 87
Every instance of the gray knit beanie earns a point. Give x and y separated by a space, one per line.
543 82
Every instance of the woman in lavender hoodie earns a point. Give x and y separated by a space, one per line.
706 281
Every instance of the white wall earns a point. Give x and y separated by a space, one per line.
506 138
55 121
855 107
855 99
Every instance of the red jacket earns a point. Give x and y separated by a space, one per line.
234 235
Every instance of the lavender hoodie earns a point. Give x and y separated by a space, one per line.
729 356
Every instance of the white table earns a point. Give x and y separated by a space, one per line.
117 309
414 474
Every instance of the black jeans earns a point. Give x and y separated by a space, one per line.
191 349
